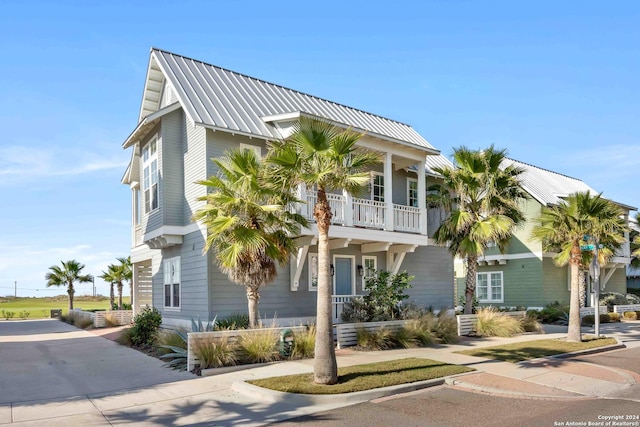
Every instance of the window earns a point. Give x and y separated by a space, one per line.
253 148
172 282
150 176
489 287
313 272
377 187
370 266
138 212
412 192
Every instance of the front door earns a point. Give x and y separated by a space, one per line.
343 278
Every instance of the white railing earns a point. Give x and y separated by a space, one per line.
336 202
406 218
369 213
338 302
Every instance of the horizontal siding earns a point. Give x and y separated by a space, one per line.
152 220
218 143
617 282
172 175
555 282
432 286
195 164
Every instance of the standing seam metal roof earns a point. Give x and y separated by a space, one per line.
225 99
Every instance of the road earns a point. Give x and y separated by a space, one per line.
448 406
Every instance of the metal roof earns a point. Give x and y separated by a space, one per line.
223 99
546 186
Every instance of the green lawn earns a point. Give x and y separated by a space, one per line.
517 352
40 307
365 377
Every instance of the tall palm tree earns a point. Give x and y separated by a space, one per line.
250 224
562 228
67 275
111 277
635 245
321 155
125 273
485 208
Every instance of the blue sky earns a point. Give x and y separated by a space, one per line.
556 83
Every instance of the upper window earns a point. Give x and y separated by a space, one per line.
377 187
489 287
172 282
370 266
412 192
313 272
150 176
253 148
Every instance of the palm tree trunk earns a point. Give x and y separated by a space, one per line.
583 288
119 295
70 292
111 296
470 284
252 301
573 332
325 368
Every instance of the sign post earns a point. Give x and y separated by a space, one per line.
594 272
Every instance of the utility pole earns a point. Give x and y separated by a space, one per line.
15 290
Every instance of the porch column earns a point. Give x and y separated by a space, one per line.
422 197
388 192
348 208
134 298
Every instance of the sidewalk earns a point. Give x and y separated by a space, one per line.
224 400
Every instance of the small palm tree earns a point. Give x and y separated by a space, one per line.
110 276
125 273
250 224
321 155
67 275
562 228
484 207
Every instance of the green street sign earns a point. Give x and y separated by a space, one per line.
587 247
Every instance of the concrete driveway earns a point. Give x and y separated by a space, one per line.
49 359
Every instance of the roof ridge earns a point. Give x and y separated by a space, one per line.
280 86
545 169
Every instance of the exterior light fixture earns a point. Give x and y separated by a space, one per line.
332 270
360 271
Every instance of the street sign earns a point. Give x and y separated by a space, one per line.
587 247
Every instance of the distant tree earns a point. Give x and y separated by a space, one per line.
125 274
66 275
110 276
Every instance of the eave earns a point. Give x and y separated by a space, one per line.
145 126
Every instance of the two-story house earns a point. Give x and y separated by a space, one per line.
525 275
191 112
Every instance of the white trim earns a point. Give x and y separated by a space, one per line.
310 278
174 267
373 180
255 148
370 235
489 292
364 266
178 230
353 272
153 197
409 181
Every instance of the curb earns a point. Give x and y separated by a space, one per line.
328 399
509 393
595 350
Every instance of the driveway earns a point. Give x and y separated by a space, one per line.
49 359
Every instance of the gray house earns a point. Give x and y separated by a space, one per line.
191 112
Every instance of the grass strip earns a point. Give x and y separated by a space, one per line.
520 351
365 377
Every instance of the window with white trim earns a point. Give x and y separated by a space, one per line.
150 176
171 269
370 267
489 287
313 272
412 192
253 148
377 187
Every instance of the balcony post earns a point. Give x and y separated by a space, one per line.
347 208
302 195
388 192
422 197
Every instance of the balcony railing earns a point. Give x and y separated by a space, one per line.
367 213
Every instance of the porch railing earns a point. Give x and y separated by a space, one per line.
338 303
406 218
336 202
368 213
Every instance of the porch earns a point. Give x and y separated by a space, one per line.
338 302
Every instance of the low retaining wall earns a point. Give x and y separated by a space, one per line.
622 308
467 322
100 318
590 311
347 333
192 337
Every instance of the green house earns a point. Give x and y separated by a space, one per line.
526 276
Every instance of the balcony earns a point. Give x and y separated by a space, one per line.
351 211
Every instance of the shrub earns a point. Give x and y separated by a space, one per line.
379 339
215 353
590 319
24 314
530 322
491 323
234 321
446 327
304 344
404 338
420 330
613 298
474 303
145 326
172 338
125 337
632 298
83 322
8 315
615 317
634 291
198 326
357 311
553 313
258 345
630 315
386 293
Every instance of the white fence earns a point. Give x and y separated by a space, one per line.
590 311
467 322
192 337
101 318
622 308
347 333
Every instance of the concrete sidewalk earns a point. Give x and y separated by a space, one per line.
225 400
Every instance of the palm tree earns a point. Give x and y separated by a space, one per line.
562 229
484 209
110 276
125 273
67 275
321 155
634 236
251 226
